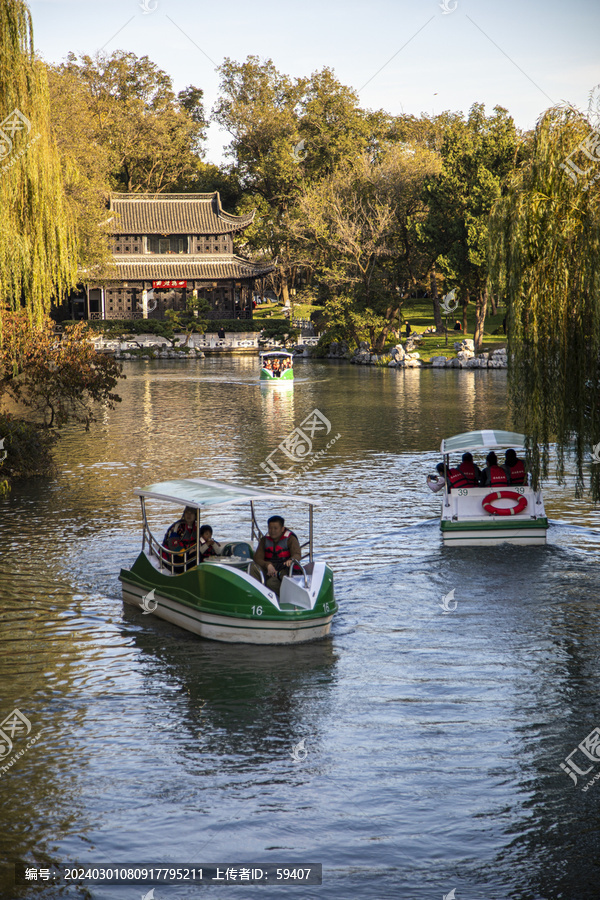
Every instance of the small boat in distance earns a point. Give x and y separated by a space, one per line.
277 366
479 516
218 597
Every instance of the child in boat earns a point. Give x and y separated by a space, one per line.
208 546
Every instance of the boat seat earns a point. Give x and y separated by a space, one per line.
293 592
241 549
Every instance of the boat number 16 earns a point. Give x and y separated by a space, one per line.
257 610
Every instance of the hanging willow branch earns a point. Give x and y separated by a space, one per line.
37 248
545 258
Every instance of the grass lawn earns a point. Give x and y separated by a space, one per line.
275 311
419 313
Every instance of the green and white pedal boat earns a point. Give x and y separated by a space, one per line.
276 366
520 519
218 598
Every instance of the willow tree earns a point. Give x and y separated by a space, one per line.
545 257
37 251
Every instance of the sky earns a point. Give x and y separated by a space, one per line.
408 56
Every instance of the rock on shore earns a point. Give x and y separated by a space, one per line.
465 358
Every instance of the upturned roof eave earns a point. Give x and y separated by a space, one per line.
119 203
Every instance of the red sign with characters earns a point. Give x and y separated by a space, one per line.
169 284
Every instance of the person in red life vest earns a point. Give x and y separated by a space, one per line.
514 468
276 553
181 536
208 546
493 474
469 470
456 479
466 475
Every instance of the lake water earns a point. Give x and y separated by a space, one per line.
432 741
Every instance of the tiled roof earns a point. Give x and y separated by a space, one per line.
183 266
173 214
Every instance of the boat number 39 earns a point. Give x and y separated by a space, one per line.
518 490
257 610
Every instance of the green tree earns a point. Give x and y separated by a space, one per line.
478 157
152 135
206 178
545 243
357 229
425 131
284 133
192 321
37 238
280 331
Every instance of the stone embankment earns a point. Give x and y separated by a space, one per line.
151 346
407 356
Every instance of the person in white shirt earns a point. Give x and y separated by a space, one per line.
435 483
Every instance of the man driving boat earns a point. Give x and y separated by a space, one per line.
276 553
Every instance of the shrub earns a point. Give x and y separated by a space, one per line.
116 327
28 448
322 348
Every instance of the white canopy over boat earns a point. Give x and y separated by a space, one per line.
483 440
201 493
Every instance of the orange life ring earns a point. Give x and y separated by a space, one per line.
507 495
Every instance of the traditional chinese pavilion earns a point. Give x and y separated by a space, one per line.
167 246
